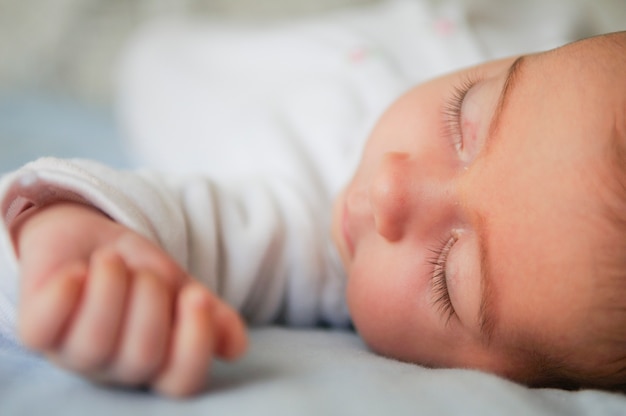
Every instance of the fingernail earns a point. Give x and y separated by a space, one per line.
199 298
78 272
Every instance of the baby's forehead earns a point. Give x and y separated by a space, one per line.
605 53
565 148
594 67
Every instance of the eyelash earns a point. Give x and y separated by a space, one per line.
452 122
452 111
439 278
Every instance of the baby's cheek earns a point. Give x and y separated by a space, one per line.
391 308
365 310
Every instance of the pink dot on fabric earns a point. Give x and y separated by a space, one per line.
358 55
444 27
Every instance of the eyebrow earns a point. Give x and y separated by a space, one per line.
509 85
487 317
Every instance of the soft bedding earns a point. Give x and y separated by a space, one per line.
298 372
287 371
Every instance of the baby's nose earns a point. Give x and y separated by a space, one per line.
391 195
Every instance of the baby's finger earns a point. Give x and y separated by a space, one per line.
92 337
45 313
231 338
186 368
141 254
144 340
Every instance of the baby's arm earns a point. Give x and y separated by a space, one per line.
99 299
255 242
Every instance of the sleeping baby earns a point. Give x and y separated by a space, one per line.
482 228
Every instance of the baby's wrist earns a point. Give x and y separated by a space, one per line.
61 210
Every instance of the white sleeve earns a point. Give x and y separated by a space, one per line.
258 243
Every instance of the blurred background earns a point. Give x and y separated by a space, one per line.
69 45
58 57
57 61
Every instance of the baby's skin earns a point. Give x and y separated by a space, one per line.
100 300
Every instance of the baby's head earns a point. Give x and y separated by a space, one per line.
485 226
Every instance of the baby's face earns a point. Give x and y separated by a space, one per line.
471 229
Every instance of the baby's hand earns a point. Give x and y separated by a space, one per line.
115 308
